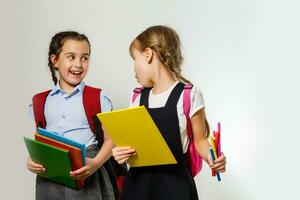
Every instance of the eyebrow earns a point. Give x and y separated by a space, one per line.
71 53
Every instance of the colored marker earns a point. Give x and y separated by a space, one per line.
213 158
219 140
213 145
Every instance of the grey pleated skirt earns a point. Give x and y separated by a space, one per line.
97 186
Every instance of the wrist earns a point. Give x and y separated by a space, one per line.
97 162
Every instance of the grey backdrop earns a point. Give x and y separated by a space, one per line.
244 55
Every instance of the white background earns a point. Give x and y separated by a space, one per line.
244 55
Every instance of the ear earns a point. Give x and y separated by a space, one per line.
53 59
148 54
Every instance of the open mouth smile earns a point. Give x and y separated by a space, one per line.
75 72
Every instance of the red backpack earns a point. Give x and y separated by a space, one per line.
195 160
92 106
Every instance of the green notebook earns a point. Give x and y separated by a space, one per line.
55 160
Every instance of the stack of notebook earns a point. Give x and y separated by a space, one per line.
59 155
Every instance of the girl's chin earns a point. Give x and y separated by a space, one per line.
74 82
75 78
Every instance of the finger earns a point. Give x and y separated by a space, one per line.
220 161
34 164
78 172
83 175
219 166
37 170
122 152
130 153
116 149
220 158
126 155
119 158
221 169
42 170
122 161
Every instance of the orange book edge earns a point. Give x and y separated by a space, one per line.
74 153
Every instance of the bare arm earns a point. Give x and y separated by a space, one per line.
105 151
201 143
198 126
93 164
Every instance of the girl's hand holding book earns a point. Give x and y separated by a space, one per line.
35 167
122 154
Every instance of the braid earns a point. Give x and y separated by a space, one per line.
182 79
52 70
172 64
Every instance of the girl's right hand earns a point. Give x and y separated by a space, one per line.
220 163
35 167
122 154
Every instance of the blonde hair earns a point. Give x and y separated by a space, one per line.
166 43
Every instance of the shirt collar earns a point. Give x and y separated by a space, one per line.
56 89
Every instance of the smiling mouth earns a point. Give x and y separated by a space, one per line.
75 72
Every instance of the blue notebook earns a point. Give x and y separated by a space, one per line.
65 140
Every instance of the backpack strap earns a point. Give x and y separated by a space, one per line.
92 105
186 104
38 103
136 92
187 107
195 160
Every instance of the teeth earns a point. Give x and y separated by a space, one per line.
76 73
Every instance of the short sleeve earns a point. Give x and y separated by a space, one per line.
106 104
197 101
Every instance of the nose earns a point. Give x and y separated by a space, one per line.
78 63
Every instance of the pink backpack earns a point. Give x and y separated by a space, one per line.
195 161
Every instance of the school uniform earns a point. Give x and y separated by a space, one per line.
65 115
165 182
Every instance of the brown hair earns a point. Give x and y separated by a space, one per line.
57 43
166 43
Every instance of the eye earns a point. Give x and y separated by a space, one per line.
85 58
71 57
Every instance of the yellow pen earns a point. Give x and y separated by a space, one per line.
212 143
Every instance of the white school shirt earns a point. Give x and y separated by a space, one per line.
160 100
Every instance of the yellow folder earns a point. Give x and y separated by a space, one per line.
134 127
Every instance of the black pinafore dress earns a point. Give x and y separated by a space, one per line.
163 182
